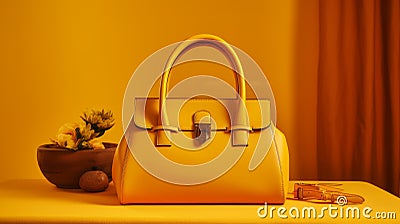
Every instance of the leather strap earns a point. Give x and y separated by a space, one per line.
241 135
322 192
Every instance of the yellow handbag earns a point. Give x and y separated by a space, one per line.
223 141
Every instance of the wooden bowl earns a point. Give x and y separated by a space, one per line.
64 167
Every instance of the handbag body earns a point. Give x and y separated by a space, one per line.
215 151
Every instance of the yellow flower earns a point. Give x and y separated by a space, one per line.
66 136
68 128
84 135
96 144
86 132
66 141
100 120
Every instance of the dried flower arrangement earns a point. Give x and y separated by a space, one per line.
84 135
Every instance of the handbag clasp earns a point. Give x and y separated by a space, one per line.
202 125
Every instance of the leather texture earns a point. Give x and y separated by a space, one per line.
240 136
260 175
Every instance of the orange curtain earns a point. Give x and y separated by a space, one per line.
358 125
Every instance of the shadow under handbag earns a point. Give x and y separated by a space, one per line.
226 135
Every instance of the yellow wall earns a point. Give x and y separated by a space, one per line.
58 58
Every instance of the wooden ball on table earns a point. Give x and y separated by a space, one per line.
94 181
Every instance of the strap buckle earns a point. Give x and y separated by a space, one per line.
325 192
202 125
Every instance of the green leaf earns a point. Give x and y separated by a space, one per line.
80 144
95 128
78 133
100 133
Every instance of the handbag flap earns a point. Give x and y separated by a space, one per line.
180 112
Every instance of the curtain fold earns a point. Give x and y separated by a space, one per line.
358 105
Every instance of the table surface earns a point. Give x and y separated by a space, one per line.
38 201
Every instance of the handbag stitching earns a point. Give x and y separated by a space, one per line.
207 100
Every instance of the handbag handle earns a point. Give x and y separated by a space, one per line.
204 40
193 42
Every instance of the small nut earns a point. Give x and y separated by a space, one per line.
94 181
